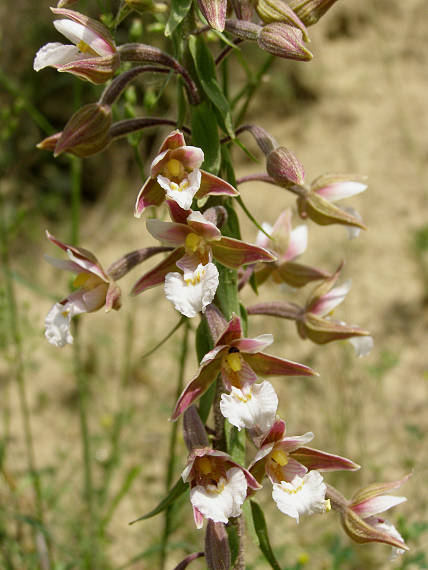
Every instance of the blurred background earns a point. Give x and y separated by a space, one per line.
360 107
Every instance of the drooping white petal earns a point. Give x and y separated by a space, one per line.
302 496
390 529
222 501
362 344
58 321
254 407
192 292
182 192
298 242
55 55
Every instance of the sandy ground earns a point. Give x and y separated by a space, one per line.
362 109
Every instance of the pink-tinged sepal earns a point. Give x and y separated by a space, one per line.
217 549
178 215
151 194
267 365
325 213
233 331
322 461
169 233
235 253
322 331
298 275
322 305
113 298
214 186
80 256
157 275
253 345
175 139
214 12
49 143
198 518
205 377
376 489
202 227
276 433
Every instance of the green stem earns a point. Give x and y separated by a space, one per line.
171 459
19 373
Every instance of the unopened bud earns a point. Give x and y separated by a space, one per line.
285 168
49 143
243 29
217 551
214 12
87 132
325 213
310 11
278 11
284 41
65 3
360 531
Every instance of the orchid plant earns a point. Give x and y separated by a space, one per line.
206 263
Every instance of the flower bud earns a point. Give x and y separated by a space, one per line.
214 12
278 11
285 168
322 331
217 551
243 29
194 432
310 11
49 143
284 41
324 213
87 132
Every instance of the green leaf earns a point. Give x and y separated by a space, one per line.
235 442
205 68
205 135
179 488
204 344
179 10
124 488
232 534
262 535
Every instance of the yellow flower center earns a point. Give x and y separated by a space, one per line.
193 242
86 281
279 456
174 169
85 48
204 465
233 359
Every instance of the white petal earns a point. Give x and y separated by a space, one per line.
353 232
219 502
192 292
183 192
298 242
302 496
75 32
253 408
58 321
262 240
362 344
332 299
390 529
55 55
